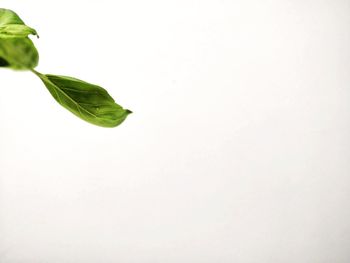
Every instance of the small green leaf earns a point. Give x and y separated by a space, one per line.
87 101
15 31
18 53
12 26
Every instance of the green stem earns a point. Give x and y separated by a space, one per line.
36 72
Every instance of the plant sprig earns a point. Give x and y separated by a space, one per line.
89 102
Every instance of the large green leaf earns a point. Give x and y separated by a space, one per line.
87 101
12 26
18 53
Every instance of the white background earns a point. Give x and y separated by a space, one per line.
238 149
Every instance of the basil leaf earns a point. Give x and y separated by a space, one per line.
14 31
87 101
18 53
11 26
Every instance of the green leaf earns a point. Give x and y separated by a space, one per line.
15 31
12 26
87 101
18 53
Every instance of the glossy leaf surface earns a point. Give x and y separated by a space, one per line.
87 101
